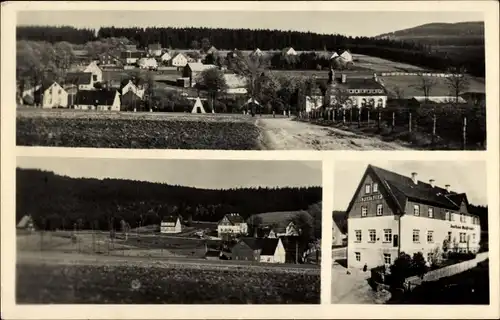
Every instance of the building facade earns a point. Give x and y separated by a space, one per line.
51 95
232 224
103 100
265 250
171 224
390 213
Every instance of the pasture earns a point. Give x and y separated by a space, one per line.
75 128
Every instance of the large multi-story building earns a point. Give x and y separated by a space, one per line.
391 213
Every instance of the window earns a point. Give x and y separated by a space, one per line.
431 212
380 210
380 103
387 258
429 256
430 236
452 217
416 236
447 215
416 210
462 237
358 235
94 77
387 235
375 187
368 189
358 256
364 211
373 235
449 235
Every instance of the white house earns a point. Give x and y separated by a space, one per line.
165 57
232 224
130 86
26 223
313 103
266 250
272 251
103 100
52 95
257 52
147 63
83 80
193 69
289 51
171 224
346 55
283 229
155 49
390 213
334 55
179 60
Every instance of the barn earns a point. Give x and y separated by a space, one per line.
259 249
171 224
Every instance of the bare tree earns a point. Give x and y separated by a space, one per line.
426 84
252 68
457 82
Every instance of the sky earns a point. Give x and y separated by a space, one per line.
348 23
207 174
464 176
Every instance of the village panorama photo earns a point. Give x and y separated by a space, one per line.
305 80
410 232
133 231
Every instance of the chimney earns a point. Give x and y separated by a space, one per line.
344 78
431 182
414 177
447 188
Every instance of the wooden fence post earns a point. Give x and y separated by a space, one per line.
379 119
464 133
393 119
343 115
359 117
350 115
433 129
368 117
409 122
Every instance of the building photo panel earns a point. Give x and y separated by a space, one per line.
154 231
410 232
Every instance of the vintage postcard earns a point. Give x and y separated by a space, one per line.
250 160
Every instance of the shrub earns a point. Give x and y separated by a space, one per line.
461 256
400 270
419 264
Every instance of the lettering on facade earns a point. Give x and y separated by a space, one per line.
454 226
371 198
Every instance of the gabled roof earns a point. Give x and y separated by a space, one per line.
440 99
79 78
279 219
90 97
267 246
401 189
340 220
25 221
359 83
179 55
234 218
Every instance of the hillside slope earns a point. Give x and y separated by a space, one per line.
473 29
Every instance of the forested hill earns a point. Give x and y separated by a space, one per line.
462 33
53 200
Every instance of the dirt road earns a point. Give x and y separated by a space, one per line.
286 134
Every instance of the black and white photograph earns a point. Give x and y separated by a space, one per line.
410 232
154 231
251 80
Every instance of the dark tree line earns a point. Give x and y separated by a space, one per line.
60 202
55 34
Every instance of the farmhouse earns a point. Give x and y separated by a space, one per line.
84 80
92 68
131 57
171 224
346 55
131 86
194 69
155 49
334 55
165 58
232 224
26 223
98 100
261 250
131 101
391 213
179 60
289 51
109 60
357 92
339 228
257 53
147 63
51 95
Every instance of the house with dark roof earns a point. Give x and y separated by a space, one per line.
260 250
155 49
232 224
51 95
103 100
289 51
391 213
171 224
83 80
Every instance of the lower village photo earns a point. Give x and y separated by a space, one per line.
410 232
155 231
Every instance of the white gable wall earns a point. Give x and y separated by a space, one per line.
54 96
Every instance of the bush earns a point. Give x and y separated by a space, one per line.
461 256
28 100
419 264
400 270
